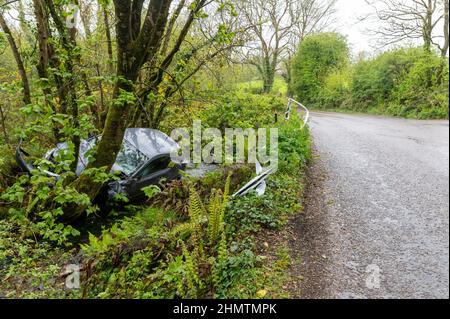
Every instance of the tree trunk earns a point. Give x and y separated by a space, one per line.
85 13
428 27
268 83
269 76
100 107
19 61
170 27
3 121
108 38
45 58
444 49
23 23
69 97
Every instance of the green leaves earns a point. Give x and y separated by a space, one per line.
125 99
228 5
99 175
243 110
70 195
151 191
37 201
224 35
104 3
54 231
16 193
317 57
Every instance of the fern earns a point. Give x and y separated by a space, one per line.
226 195
182 229
214 217
192 277
215 231
223 250
220 261
197 209
196 212
218 205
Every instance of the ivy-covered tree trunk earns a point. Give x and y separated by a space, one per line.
46 58
108 36
68 95
268 76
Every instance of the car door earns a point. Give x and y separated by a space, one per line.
159 168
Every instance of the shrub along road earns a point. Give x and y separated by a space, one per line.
377 222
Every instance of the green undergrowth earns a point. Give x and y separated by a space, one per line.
192 239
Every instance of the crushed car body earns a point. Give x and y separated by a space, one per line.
144 160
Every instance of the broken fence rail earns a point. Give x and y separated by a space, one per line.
289 111
259 182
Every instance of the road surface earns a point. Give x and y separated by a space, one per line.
377 222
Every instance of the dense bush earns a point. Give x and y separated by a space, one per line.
243 110
422 91
404 82
256 86
374 80
317 57
226 109
336 91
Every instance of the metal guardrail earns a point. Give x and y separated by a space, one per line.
289 110
259 182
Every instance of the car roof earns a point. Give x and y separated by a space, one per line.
150 142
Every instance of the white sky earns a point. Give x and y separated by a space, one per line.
348 12
347 23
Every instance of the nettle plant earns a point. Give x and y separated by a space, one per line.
37 200
43 122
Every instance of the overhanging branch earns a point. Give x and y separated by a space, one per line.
8 3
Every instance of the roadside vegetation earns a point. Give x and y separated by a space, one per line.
405 82
190 240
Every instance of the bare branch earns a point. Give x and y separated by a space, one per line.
403 20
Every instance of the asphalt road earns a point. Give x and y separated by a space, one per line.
382 224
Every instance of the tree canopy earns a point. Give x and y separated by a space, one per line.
317 56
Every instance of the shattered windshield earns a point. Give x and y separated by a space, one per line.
130 159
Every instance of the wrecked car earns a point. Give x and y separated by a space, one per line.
144 160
